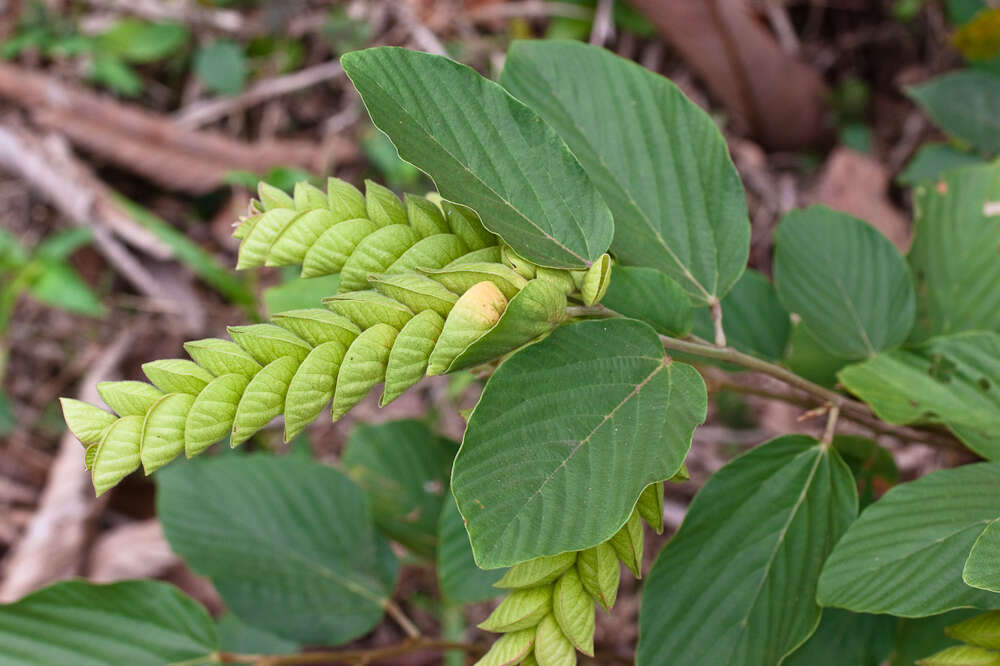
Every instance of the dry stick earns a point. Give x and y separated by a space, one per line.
207 111
224 20
530 9
342 656
397 614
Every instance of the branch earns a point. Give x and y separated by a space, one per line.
351 656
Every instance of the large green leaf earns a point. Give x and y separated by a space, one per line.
135 623
904 555
849 284
659 160
954 380
486 150
843 638
736 585
954 255
567 433
289 544
460 579
403 468
754 320
964 104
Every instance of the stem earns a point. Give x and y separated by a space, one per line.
831 427
720 334
350 656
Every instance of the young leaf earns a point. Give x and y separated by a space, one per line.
221 66
659 160
522 609
574 611
487 150
76 622
781 506
460 579
982 630
552 648
85 421
952 379
509 649
539 571
919 637
954 253
849 284
962 655
567 433
288 544
403 468
904 555
964 104
628 543
600 574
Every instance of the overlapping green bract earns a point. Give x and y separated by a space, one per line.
423 290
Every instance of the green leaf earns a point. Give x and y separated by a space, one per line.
919 637
845 638
460 579
904 555
486 150
7 422
403 468
932 161
650 296
60 286
288 544
659 160
111 71
849 284
954 380
982 569
628 544
781 506
566 435
221 66
141 42
135 622
806 357
85 421
954 253
60 245
239 637
552 648
509 649
753 318
964 104
300 293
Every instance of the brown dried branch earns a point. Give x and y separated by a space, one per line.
150 143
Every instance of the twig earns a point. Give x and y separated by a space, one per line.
604 23
831 426
204 112
351 656
51 547
397 614
421 34
224 20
